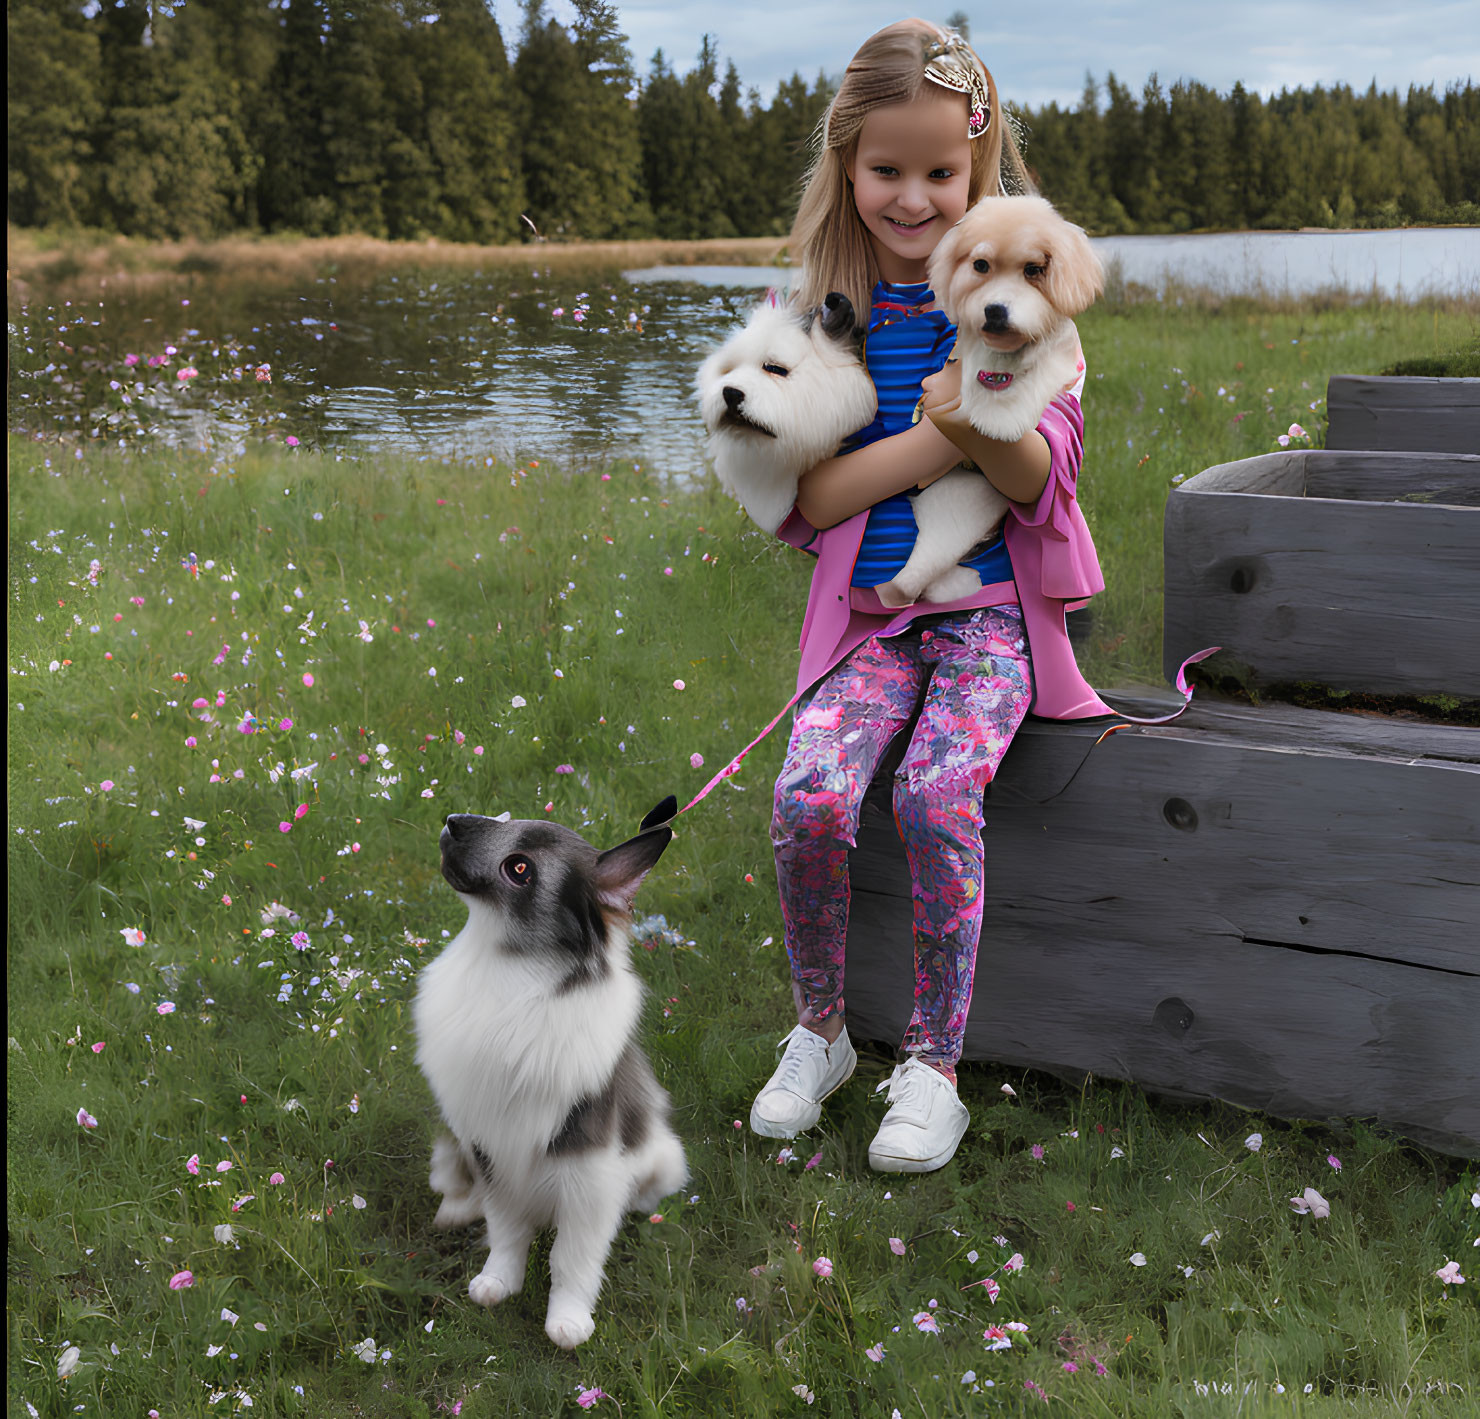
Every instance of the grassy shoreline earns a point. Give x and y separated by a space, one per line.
174 774
89 262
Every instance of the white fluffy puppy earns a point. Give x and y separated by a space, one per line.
1011 275
782 394
779 396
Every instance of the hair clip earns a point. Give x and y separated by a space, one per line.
950 63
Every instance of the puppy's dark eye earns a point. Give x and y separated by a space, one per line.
518 870
981 264
1033 270
780 371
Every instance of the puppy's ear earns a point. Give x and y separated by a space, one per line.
620 870
1075 276
837 316
942 262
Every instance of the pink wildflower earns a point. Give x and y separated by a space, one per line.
85 1119
926 1322
588 1397
696 761
300 811
165 1007
896 1246
823 1267
192 1165
276 1180
180 1280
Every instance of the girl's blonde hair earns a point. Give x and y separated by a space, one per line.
828 235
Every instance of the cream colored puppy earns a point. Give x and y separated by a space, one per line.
1012 274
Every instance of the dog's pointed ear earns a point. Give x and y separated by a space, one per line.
664 813
620 870
837 316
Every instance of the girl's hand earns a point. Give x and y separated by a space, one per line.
943 395
1017 470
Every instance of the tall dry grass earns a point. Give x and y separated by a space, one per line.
87 263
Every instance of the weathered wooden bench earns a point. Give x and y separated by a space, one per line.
1274 906
1376 412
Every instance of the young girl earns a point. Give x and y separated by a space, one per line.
913 138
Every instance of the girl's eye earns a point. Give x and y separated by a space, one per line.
1033 270
778 370
942 174
981 264
518 870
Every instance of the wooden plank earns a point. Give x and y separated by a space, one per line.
1403 412
1382 598
1393 477
1291 1034
1218 862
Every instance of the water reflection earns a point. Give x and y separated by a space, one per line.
451 364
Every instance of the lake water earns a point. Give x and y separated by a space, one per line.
531 364
1413 263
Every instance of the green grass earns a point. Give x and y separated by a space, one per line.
507 583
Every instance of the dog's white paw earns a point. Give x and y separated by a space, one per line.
486 1290
893 595
953 585
569 1326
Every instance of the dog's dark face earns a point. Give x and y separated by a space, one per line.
553 892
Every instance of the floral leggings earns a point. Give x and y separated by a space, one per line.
974 670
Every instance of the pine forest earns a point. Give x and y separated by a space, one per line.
408 119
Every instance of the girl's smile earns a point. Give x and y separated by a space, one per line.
911 173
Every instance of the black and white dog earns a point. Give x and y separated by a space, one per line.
527 1033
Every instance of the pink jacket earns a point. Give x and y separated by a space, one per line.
1053 560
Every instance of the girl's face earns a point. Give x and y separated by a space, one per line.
910 173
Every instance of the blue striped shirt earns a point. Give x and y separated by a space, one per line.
903 345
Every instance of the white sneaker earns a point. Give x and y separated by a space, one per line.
925 1122
809 1071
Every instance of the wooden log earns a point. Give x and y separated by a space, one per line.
1273 907
1357 571
1402 412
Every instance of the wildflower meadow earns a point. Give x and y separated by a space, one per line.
245 691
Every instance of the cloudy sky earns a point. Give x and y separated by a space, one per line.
1039 52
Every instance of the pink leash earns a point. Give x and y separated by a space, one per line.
1183 688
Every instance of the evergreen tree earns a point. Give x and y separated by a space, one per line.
612 202
296 189
469 125
54 103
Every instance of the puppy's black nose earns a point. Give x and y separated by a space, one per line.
734 398
995 319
